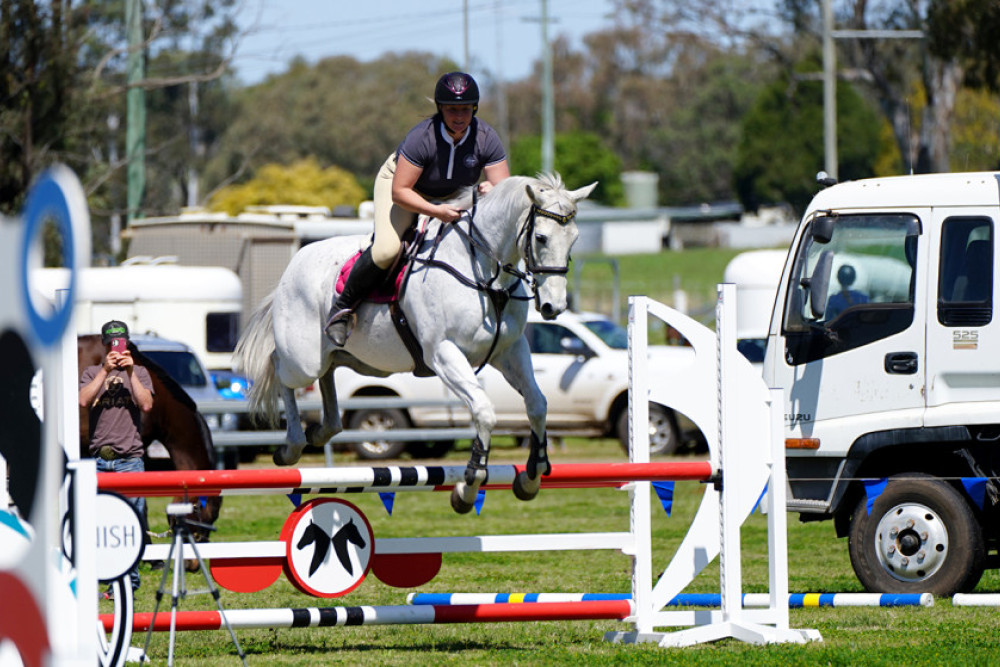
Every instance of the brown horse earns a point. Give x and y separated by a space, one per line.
174 421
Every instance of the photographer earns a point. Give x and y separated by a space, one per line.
116 393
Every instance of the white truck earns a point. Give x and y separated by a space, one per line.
197 305
885 339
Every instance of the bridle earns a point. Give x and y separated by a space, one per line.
499 296
528 231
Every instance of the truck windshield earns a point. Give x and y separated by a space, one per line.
854 289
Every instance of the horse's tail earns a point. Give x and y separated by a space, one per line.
254 358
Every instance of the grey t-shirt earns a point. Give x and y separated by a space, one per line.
115 418
446 168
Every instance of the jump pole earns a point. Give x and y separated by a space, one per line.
795 600
384 615
317 481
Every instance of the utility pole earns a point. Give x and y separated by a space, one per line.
135 134
465 33
829 93
548 107
830 76
502 116
548 112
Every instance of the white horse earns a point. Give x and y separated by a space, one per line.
465 301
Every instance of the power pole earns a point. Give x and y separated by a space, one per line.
548 107
548 112
135 135
465 33
829 93
830 76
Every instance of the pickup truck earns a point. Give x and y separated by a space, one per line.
580 363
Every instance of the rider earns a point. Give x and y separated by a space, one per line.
448 151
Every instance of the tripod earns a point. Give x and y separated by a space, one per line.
182 534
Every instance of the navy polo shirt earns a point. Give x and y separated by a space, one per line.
448 166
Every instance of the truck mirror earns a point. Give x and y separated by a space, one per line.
822 228
819 284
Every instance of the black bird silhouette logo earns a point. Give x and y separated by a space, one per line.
314 534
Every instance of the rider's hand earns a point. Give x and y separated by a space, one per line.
448 213
485 187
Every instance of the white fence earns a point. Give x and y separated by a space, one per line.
224 440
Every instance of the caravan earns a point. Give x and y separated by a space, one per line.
200 306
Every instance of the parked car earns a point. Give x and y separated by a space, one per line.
581 365
180 363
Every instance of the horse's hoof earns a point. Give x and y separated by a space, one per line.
280 459
458 503
524 487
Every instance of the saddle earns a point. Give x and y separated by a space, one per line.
392 289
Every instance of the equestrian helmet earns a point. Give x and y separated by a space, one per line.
456 88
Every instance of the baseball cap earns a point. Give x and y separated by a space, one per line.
113 329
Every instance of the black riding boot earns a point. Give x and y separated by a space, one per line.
364 277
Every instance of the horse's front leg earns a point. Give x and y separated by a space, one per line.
295 437
515 365
454 370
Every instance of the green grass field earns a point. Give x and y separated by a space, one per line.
818 563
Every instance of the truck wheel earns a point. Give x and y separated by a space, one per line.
921 537
663 438
378 419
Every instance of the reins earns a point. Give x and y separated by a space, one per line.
499 297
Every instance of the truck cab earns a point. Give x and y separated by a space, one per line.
884 339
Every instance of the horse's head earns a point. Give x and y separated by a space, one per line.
549 233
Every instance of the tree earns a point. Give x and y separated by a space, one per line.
63 87
781 150
303 183
580 159
340 111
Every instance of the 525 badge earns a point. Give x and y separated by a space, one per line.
965 339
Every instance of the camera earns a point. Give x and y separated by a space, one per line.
180 509
119 345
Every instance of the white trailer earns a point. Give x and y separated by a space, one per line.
756 275
197 305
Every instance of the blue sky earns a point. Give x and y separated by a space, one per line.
502 38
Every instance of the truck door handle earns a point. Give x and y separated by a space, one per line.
901 363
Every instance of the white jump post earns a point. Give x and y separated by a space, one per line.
735 411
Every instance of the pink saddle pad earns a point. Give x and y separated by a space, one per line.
385 293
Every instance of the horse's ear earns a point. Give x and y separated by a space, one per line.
533 195
582 193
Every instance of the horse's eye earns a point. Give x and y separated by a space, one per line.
541 239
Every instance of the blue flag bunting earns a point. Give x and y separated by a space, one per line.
665 492
480 498
388 498
976 488
296 498
874 489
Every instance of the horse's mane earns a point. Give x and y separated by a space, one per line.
509 193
